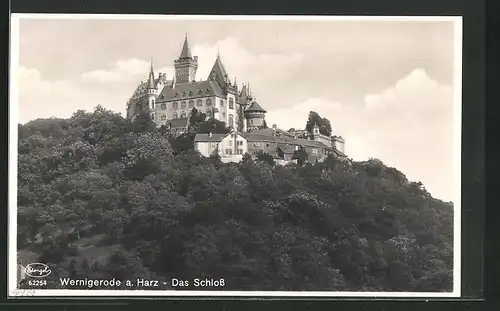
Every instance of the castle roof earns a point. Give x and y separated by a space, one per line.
255 107
186 51
219 71
181 91
175 123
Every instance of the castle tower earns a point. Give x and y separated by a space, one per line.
255 116
186 65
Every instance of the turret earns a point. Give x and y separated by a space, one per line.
255 116
151 90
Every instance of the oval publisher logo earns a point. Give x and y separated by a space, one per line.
37 270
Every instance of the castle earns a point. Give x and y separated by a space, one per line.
170 102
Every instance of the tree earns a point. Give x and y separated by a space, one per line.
264 157
182 143
213 126
130 201
195 119
143 123
324 125
301 156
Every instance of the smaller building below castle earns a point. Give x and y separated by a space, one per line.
281 145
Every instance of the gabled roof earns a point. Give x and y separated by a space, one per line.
208 138
255 107
186 52
219 71
190 90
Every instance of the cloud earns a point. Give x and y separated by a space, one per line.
131 70
412 123
245 64
238 62
41 98
296 116
408 125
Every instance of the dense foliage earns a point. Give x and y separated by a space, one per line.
324 125
101 197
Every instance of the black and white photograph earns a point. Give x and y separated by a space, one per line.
278 156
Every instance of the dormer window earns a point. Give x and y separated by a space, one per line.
200 92
190 93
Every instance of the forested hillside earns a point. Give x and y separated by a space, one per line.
100 197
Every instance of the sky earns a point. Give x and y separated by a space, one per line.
385 86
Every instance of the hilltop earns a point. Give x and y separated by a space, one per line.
102 197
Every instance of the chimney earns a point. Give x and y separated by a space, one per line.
210 134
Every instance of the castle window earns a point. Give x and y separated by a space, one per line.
209 102
239 151
152 116
183 114
231 120
231 103
175 115
183 104
209 113
239 143
164 117
231 143
163 106
229 151
175 105
221 103
199 103
191 104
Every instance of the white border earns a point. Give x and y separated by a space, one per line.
13 139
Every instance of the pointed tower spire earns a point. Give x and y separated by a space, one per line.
235 82
186 52
151 79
